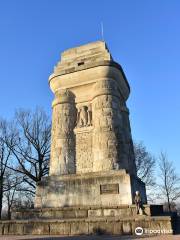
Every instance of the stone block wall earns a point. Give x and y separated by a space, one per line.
95 226
110 188
84 154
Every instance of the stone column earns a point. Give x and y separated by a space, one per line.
62 139
106 121
127 155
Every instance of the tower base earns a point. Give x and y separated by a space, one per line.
112 188
112 225
91 203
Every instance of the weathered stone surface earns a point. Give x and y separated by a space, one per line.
90 132
16 228
62 228
87 226
6 228
78 228
40 229
99 103
127 228
1 229
85 212
95 213
84 149
92 178
85 189
63 139
28 228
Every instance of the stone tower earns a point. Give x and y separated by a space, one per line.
92 159
92 178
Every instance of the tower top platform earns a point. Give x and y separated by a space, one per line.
86 57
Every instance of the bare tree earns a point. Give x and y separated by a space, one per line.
145 164
12 184
23 200
5 154
14 193
170 181
30 146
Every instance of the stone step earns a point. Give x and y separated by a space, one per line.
87 226
86 212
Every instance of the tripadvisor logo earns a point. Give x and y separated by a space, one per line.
139 231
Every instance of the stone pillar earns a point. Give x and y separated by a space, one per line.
62 139
127 151
106 121
112 141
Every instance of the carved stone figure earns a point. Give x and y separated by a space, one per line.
84 116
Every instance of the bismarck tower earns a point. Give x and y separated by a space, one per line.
92 159
92 179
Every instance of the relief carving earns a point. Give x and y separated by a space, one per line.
84 116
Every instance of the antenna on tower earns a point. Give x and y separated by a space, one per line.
102 31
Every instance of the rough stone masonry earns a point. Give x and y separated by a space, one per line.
92 159
92 178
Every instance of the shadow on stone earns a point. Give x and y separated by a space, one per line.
99 231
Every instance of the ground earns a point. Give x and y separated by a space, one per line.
162 237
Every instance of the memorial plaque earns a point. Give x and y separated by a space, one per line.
109 188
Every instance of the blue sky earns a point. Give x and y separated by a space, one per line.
143 36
